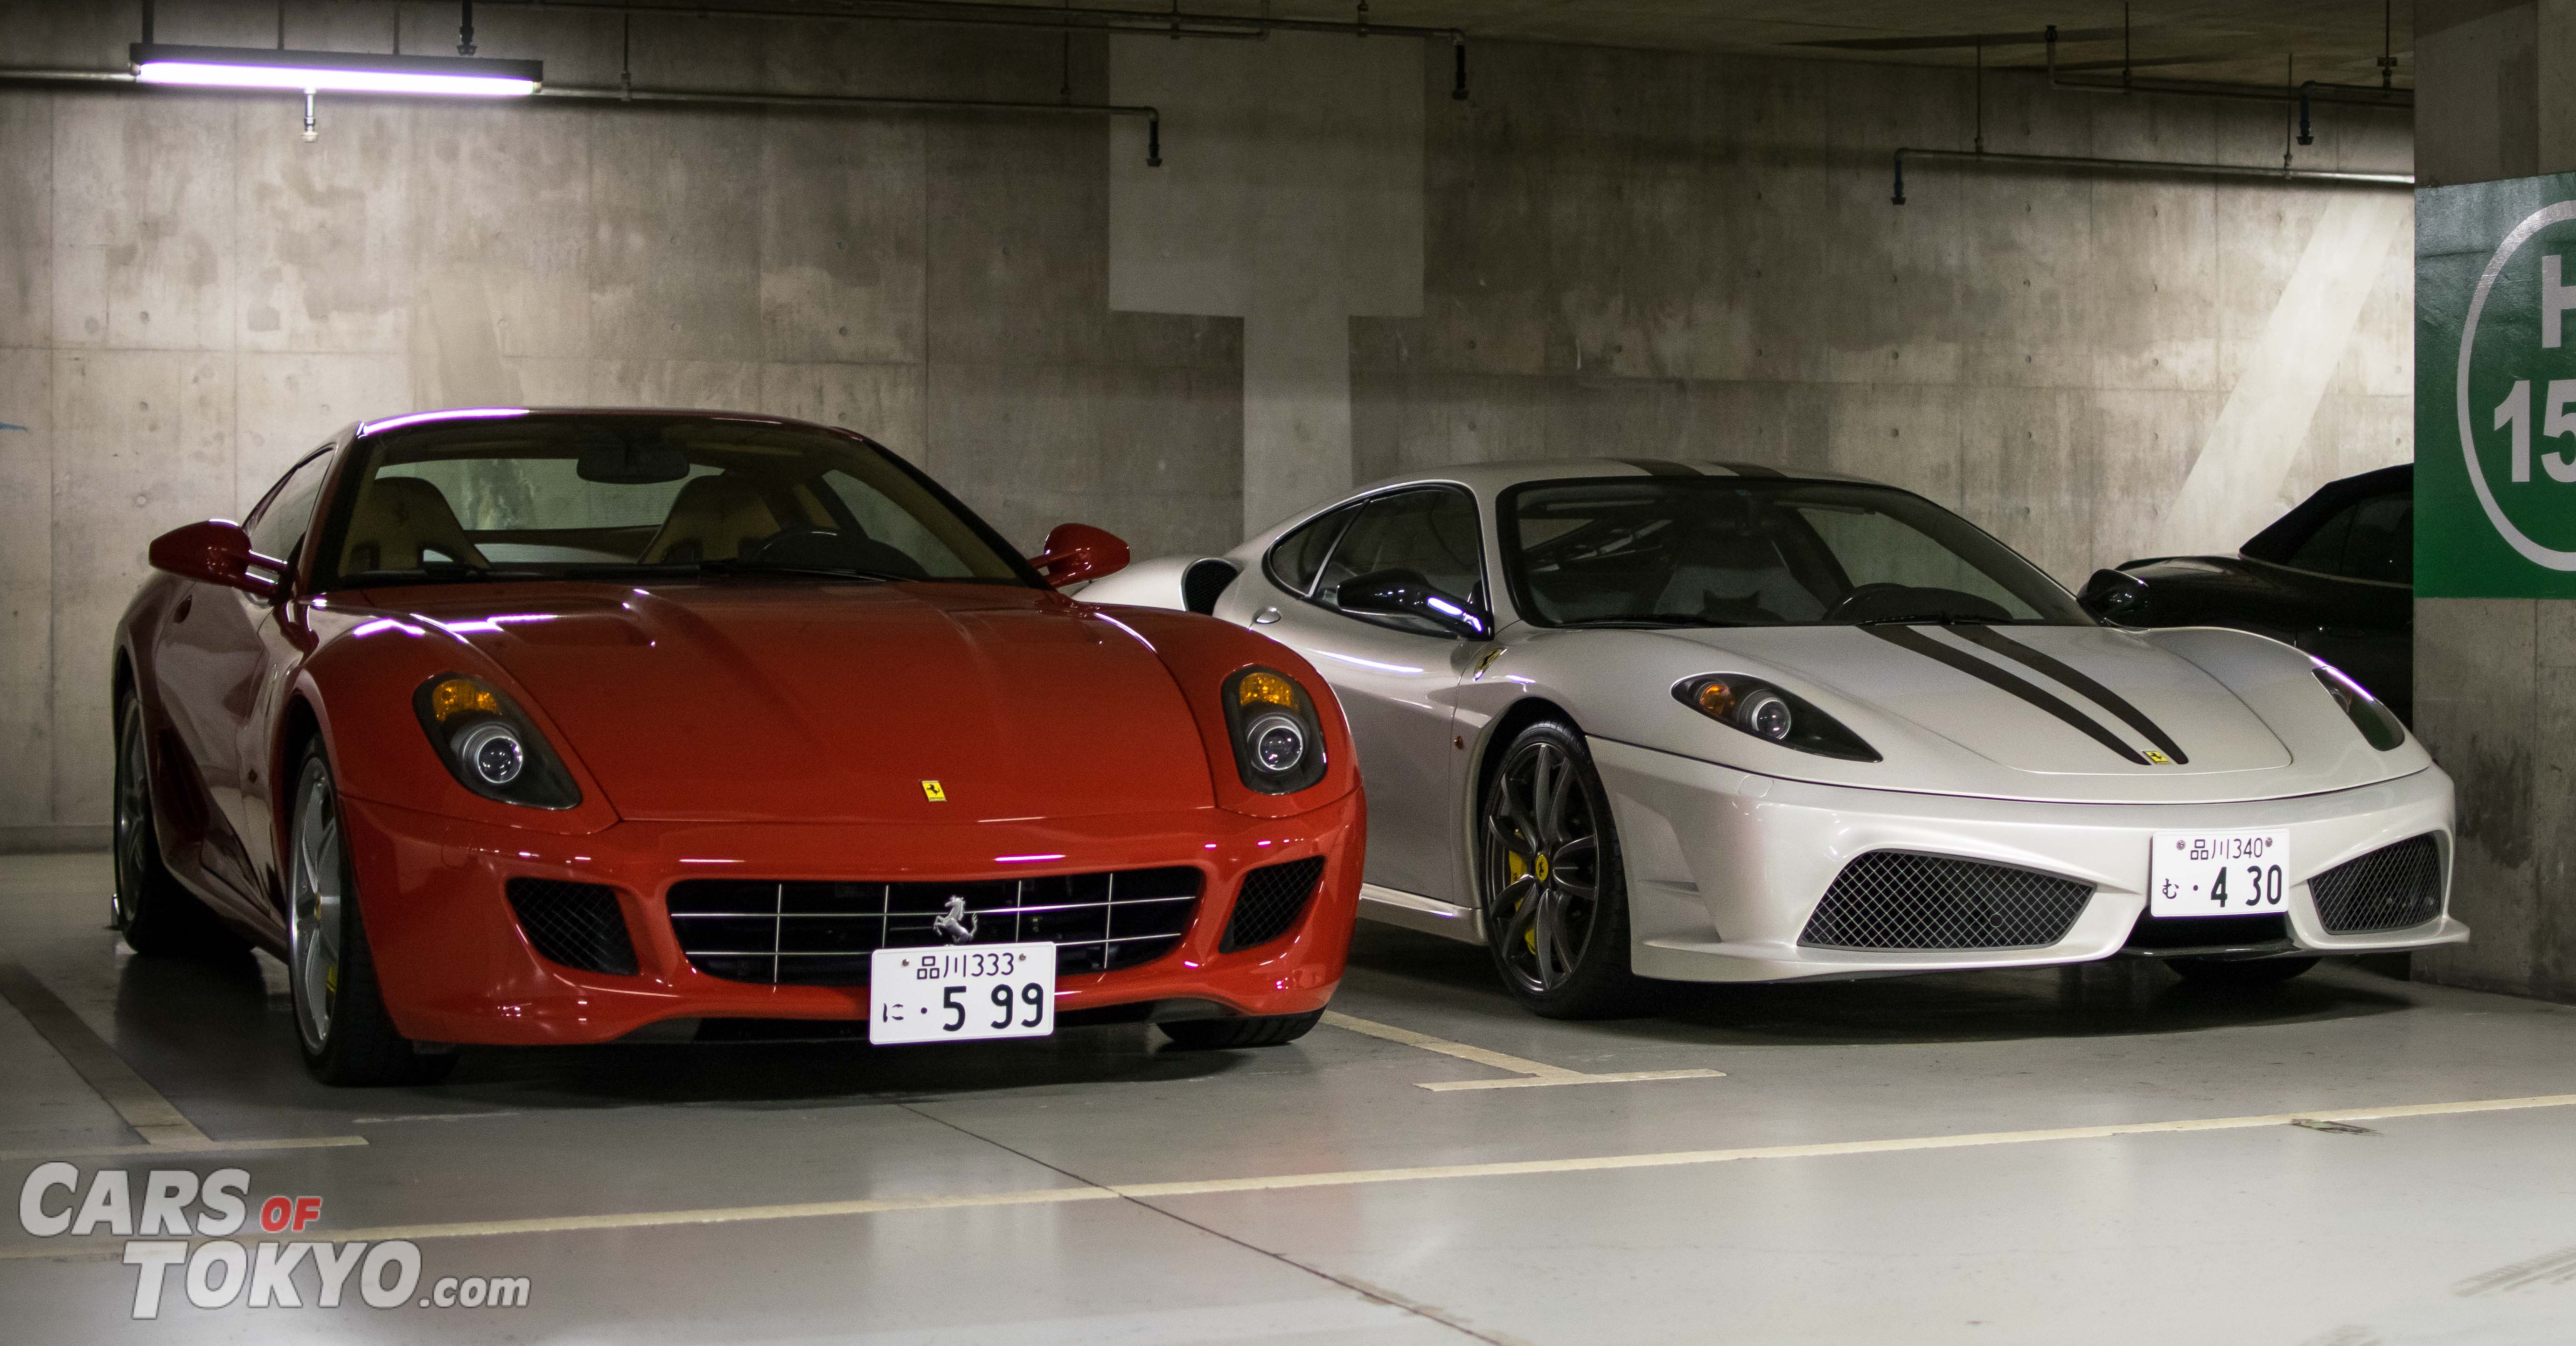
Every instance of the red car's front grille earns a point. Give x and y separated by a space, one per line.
813 933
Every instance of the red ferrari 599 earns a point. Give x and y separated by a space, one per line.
509 726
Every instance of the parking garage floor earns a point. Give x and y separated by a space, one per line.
2100 1155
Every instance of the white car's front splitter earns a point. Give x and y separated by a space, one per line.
1725 868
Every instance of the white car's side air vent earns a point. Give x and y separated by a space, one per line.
2391 888
1901 900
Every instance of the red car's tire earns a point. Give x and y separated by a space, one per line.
157 915
341 1023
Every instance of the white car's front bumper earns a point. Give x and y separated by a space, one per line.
1725 868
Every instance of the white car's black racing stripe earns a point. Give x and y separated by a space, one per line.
1988 638
1907 638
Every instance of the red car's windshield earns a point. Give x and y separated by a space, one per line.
492 495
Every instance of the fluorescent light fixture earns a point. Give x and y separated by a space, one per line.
334 71
454 414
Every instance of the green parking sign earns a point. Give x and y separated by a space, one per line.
2495 389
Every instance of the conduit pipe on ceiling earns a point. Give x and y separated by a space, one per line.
2277 174
2358 94
1153 116
1171 23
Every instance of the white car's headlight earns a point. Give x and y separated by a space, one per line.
1752 706
2376 722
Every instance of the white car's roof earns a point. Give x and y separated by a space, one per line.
1486 478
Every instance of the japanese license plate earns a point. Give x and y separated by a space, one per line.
961 993
2217 873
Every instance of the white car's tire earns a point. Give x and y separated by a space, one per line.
1550 880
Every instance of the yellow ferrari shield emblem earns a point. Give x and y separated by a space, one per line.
2158 758
934 792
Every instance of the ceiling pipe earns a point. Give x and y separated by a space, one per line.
2321 175
707 98
1152 115
1143 22
1169 23
2360 94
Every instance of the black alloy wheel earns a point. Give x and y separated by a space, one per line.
1555 900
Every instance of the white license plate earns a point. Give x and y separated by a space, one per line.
961 993
2217 873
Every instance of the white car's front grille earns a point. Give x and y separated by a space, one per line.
1902 900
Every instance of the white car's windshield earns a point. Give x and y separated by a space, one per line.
569 495
1720 551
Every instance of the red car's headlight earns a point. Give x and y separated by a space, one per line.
489 746
1278 745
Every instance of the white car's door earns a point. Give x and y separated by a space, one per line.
1396 677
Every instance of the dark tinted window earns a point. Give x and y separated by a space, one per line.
1294 559
2381 544
1717 551
2323 551
1432 532
277 527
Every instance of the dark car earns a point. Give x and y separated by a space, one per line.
2335 577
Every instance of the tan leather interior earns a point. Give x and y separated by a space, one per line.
713 518
396 519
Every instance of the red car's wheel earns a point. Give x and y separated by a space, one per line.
340 1017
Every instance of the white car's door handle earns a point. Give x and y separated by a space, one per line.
1265 617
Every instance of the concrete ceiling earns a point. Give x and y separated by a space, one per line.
2334 40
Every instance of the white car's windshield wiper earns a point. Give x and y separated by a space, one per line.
1935 619
1649 619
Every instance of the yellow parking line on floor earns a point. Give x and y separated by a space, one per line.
1533 1074
141 1105
97 1249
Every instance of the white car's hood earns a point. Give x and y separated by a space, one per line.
2066 713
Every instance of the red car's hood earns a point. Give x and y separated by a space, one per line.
774 700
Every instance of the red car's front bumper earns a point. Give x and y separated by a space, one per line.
455 966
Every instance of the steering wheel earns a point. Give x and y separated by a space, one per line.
1857 597
798 541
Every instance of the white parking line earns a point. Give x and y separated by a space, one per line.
141 1105
183 1147
1534 1074
159 1122
104 1249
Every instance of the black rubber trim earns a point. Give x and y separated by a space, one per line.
1988 638
1907 638
1754 470
1658 467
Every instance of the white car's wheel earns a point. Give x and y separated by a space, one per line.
1555 903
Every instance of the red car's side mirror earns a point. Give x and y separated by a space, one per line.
1077 551
217 552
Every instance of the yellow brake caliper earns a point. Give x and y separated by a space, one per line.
1517 868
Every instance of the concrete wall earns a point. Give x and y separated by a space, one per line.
1653 254
1623 253
2495 679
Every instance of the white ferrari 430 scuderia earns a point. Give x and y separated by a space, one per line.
1637 719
